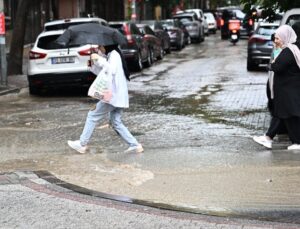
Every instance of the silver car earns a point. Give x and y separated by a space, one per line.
192 24
260 45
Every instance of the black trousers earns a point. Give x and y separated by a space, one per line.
293 127
277 126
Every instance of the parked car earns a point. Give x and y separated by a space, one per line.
136 52
260 45
51 66
187 38
153 42
65 23
175 32
161 33
201 18
291 16
193 25
211 22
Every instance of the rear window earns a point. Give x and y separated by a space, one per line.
186 21
293 19
48 42
266 30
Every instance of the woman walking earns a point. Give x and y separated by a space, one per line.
286 69
276 125
112 104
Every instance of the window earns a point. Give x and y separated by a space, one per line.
48 42
293 19
266 30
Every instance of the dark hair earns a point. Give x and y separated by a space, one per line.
110 48
273 37
296 28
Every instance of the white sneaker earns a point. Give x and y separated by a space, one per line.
294 147
263 140
137 149
77 146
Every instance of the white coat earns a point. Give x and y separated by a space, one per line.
119 83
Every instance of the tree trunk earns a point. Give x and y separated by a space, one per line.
17 43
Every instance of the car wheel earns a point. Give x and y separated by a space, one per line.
250 65
203 38
161 54
168 50
149 60
189 40
34 90
223 37
139 63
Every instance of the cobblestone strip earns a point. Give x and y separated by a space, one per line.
175 219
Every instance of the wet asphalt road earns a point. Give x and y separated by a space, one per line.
194 112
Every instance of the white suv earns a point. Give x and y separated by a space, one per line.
51 66
291 16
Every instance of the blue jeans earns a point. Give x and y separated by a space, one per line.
101 111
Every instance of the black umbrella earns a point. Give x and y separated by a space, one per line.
91 33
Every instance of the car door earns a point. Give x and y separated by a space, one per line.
138 36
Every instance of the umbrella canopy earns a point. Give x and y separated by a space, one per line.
91 33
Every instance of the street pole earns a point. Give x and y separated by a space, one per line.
2 45
133 7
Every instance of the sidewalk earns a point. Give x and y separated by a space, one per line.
15 84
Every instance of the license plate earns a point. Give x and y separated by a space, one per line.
234 36
63 60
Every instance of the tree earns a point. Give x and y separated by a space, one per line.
269 7
17 42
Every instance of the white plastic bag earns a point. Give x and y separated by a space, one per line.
101 87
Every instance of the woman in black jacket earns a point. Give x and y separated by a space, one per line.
286 69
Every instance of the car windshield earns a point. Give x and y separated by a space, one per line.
266 30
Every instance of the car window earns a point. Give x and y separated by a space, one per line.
239 14
266 30
168 23
48 42
158 26
119 27
148 30
293 19
186 20
134 29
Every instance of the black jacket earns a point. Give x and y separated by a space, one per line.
286 85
